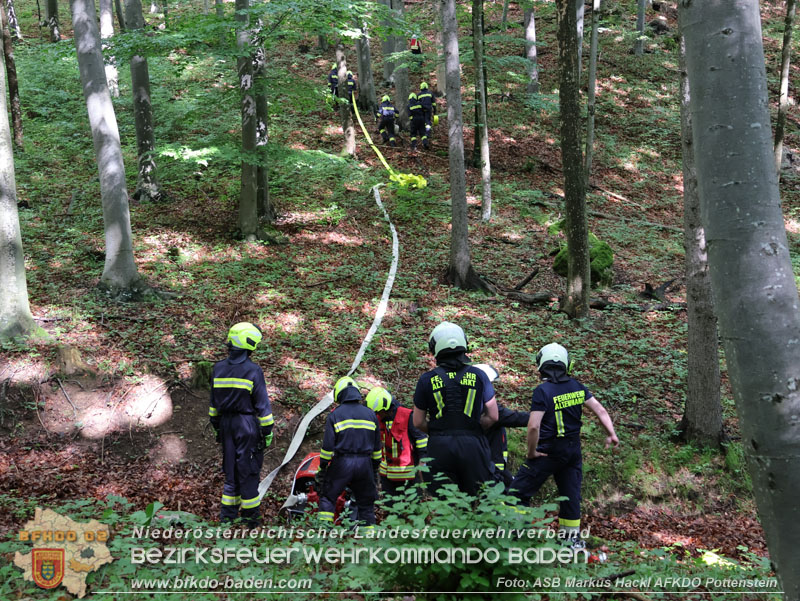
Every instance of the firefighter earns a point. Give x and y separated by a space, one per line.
428 107
451 404
352 86
498 443
333 79
403 444
554 438
350 454
414 45
242 418
416 118
386 114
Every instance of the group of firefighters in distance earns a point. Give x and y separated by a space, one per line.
455 426
421 110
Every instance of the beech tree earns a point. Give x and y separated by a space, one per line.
702 414
437 42
481 111
107 31
755 294
13 84
576 300
265 209
638 45
592 91
120 277
783 100
460 272
348 128
51 12
530 51
248 206
367 101
13 22
147 186
15 312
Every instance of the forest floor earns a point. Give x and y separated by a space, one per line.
129 422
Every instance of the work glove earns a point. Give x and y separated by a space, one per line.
218 436
268 439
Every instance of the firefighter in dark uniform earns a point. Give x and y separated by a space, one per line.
416 118
403 444
242 418
554 437
350 454
386 114
425 98
352 86
453 403
498 443
333 79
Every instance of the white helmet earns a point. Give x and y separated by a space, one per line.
553 352
447 336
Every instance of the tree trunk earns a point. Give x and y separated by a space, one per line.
579 10
13 83
106 31
755 294
576 302
147 186
400 78
638 45
481 108
348 128
15 312
248 207
531 52
388 48
366 97
219 7
592 91
120 276
783 102
504 18
120 15
702 415
441 77
51 11
460 272
13 22
266 211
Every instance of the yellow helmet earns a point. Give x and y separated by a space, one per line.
346 389
412 96
379 399
423 86
244 335
386 98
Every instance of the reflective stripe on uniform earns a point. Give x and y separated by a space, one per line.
229 500
359 424
234 383
326 516
421 443
472 392
213 411
569 523
377 454
437 396
250 503
266 420
323 454
500 466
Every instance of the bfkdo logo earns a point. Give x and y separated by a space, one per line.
48 567
63 551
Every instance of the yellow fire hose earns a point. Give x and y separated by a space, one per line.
404 180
